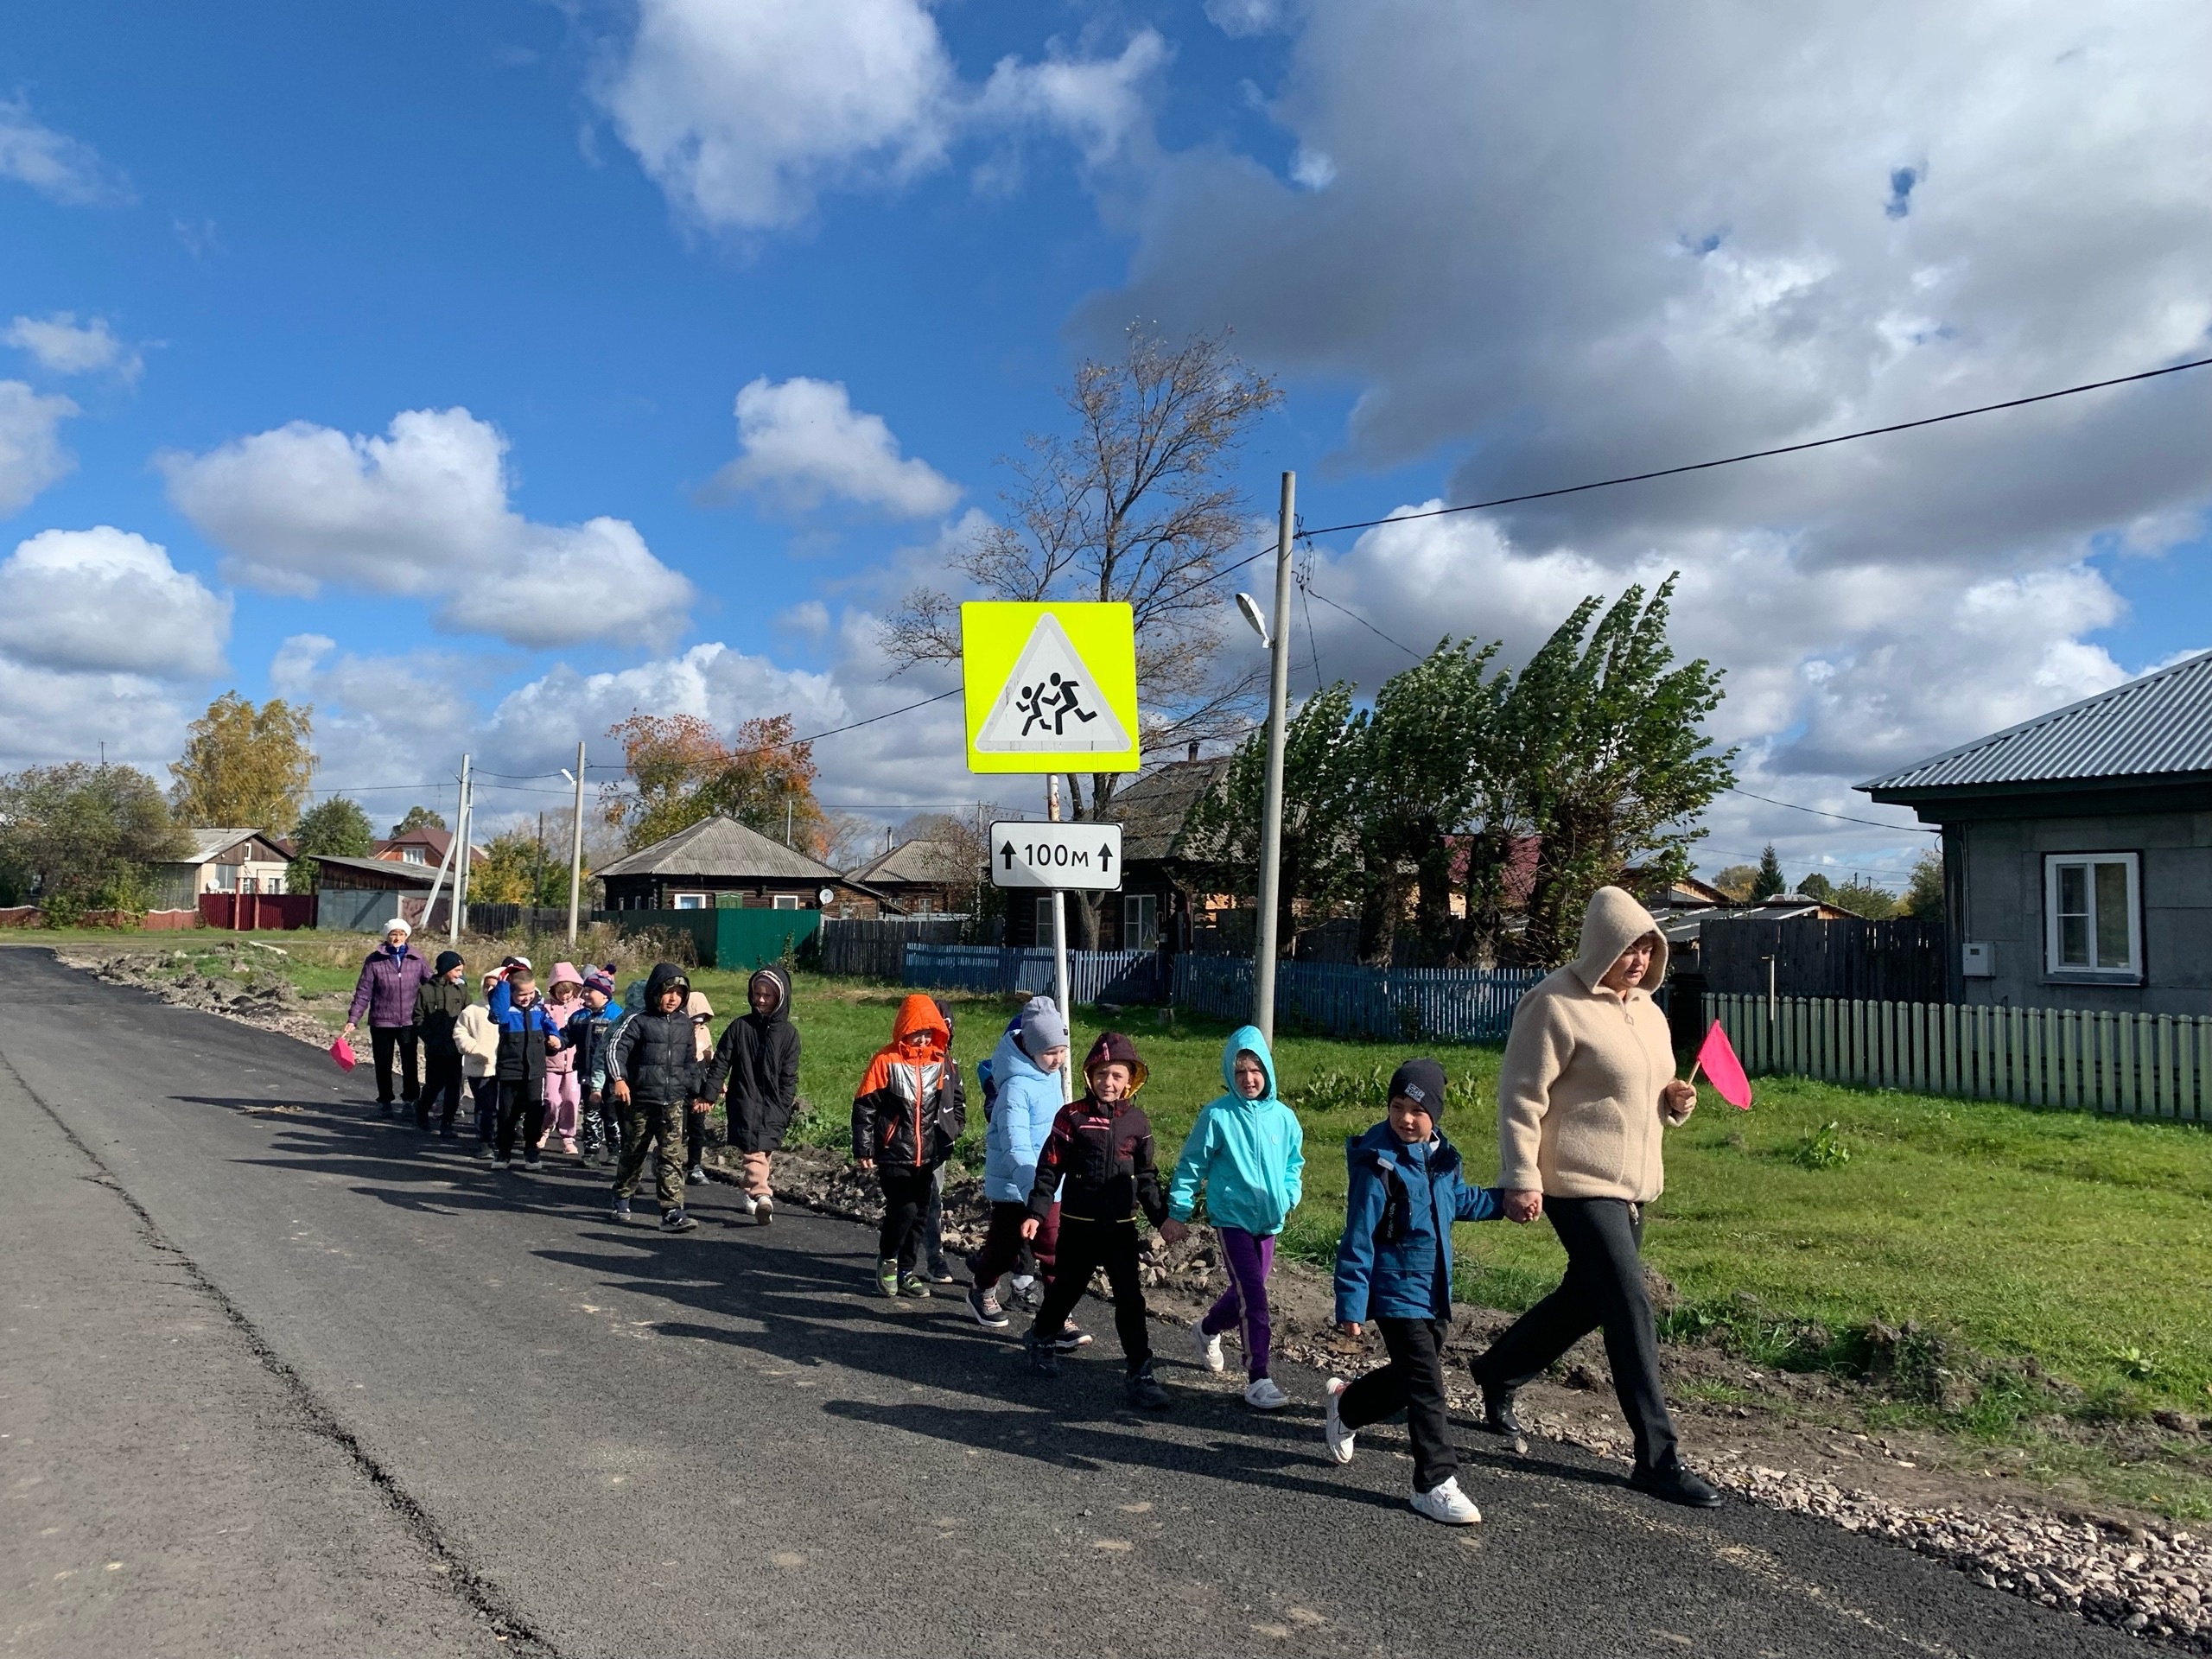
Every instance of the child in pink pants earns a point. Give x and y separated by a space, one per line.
563 1087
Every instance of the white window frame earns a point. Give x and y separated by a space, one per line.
2055 867
414 856
1133 906
785 901
691 900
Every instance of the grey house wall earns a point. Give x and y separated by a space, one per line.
1996 895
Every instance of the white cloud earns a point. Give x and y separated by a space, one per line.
58 167
744 111
1241 17
422 510
802 442
106 601
62 346
46 718
1556 247
31 454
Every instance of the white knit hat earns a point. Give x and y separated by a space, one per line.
400 924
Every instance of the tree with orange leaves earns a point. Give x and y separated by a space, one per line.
680 771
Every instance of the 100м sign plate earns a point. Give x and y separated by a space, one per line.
1047 855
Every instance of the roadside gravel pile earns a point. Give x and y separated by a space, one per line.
272 1003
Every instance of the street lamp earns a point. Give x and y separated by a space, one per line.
1277 640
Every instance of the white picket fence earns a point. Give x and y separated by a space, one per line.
2143 1065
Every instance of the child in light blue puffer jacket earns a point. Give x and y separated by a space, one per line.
1248 1151
1026 1094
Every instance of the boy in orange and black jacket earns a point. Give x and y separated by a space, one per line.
908 1112
1099 1161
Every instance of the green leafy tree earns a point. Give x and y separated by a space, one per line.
680 771
337 828
1736 881
1816 886
1607 741
418 816
1769 879
1322 775
1923 898
246 766
518 868
76 837
1865 898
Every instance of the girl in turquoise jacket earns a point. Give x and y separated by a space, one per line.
1248 1151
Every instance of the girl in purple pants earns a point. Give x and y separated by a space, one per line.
1247 1151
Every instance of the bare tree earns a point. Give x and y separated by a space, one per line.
1137 504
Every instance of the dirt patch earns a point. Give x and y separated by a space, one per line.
252 993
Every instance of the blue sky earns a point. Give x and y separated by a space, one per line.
1481 249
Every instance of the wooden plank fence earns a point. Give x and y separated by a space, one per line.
875 948
1461 1005
1093 976
2140 1065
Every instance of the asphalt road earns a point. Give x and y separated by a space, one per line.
279 1375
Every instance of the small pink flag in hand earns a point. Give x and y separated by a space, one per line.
1717 1059
342 1052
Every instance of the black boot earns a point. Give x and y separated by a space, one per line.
1145 1393
1497 1413
1676 1484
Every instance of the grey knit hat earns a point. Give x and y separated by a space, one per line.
1042 1028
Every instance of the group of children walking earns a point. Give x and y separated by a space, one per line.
1066 1178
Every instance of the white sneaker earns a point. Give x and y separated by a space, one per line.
751 1203
1448 1504
1264 1395
1332 1423
1209 1349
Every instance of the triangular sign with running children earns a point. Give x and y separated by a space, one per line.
1056 701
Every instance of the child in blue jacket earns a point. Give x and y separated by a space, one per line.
1025 1094
1394 1266
1248 1151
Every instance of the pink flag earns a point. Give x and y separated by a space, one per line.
1723 1069
342 1052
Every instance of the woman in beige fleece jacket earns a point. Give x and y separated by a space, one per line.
1586 1093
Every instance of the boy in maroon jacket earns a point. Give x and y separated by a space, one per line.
1101 1148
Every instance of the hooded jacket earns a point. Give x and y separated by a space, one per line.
478 1039
1099 1158
652 1051
565 973
385 991
1025 1100
909 1110
1249 1155
438 1003
588 1032
1579 1110
522 1033
757 1063
1393 1261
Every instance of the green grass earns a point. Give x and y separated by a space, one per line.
2013 1242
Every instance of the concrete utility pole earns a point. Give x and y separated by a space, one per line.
461 863
577 852
1263 956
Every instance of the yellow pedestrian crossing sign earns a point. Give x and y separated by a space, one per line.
1050 688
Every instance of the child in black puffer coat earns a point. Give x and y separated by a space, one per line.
653 1072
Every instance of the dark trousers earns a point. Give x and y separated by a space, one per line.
522 1105
694 1139
1085 1247
1412 1383
382 1040
1604 1287
933 1220
1005 1251
440 1088
484 1091
652 1126
906 1197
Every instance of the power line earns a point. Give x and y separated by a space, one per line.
1841 818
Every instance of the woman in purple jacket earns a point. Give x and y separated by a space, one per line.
390 978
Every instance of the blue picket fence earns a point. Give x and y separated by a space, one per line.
1459 1005
1093 976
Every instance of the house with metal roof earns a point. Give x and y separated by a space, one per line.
922 878
2077 850
718 863
220 860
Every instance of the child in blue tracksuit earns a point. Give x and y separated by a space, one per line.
589 1030
1248 1151
1394 1266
